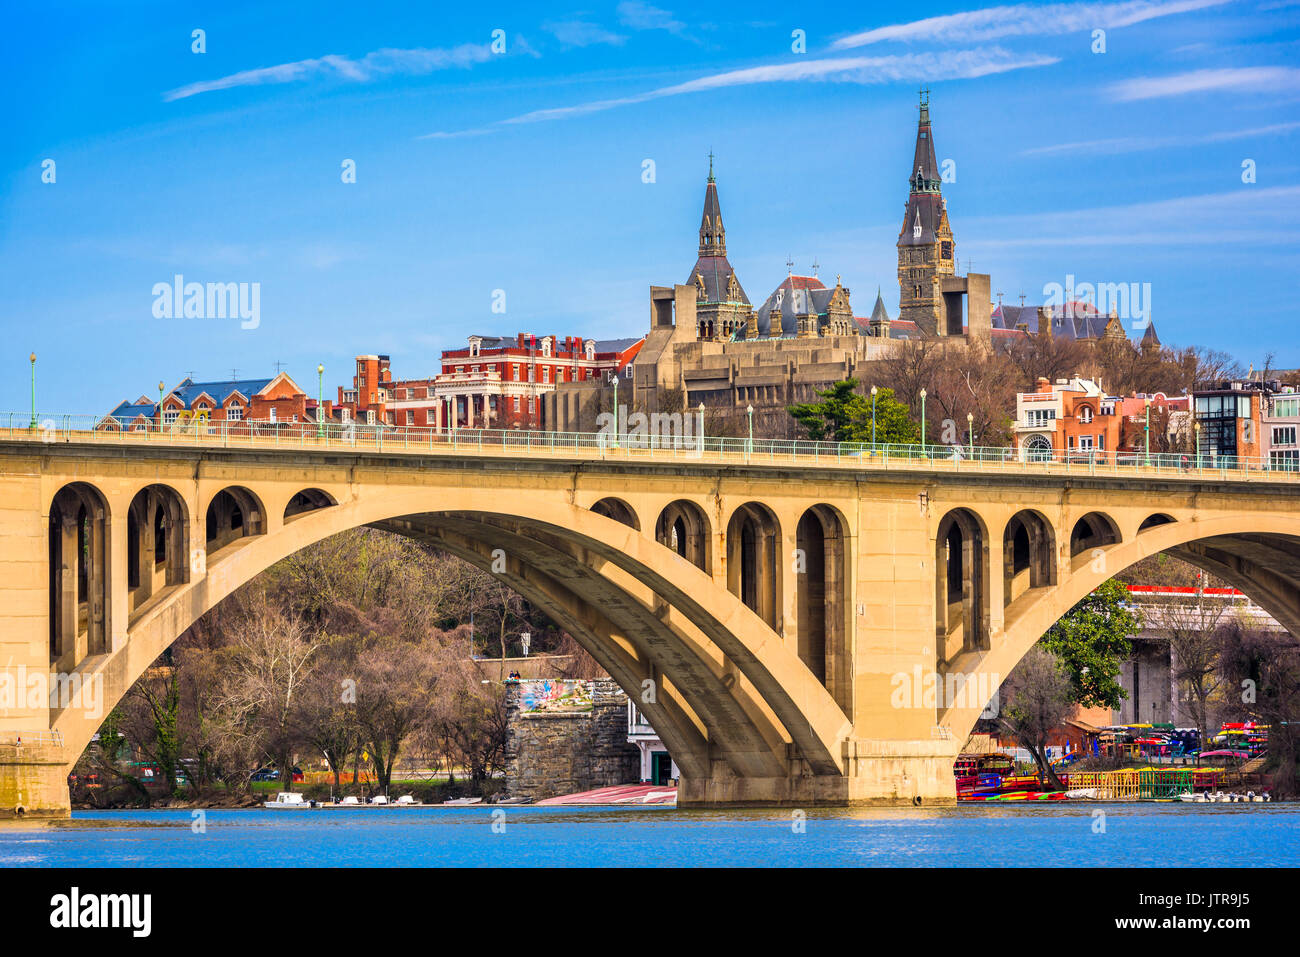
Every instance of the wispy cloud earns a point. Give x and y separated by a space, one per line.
1243 215
414 62
948 65
642 16
581 33
1135 144
1261 79
1023 19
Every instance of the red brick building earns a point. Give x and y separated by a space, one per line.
492 383
277 400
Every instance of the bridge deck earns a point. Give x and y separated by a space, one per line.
646 447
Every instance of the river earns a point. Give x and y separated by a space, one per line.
1075 835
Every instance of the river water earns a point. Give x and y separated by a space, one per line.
1133 835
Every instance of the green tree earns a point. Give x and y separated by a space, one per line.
844 415
1092 641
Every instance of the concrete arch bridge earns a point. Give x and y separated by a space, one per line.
776 615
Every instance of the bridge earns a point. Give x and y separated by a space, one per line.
802 623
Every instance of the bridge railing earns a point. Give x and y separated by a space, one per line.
674 438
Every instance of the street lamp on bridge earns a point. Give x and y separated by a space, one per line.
873 418
33 358
320 400
923 442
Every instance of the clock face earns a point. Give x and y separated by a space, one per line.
947 250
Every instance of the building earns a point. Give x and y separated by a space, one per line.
1077 416
493 382
274 401
1228 421
1281 427
1079 321
657 765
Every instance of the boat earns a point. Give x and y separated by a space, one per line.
289 800
407 800
379 799
350 801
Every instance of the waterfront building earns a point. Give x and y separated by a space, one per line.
1077 416
657 766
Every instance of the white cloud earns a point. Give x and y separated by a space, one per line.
1260 79
1247 214
1020 20
642 16
1134 144
580 33
950 65
379 62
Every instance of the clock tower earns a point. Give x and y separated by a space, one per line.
925 245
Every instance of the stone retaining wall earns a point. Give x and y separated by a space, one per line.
552 754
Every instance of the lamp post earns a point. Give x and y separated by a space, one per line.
616 415
970 430
33 358
873 418
750 410
320 400
1148 432
160 402
701 427
923 442
1196 427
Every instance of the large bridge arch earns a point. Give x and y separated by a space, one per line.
1258 554
758 705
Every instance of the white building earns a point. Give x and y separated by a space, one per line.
657 766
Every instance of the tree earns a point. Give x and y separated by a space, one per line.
1261 668
1036 699
395 690
325 709
270 662
845 415
1092 641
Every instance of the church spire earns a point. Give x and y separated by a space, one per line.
925 168
713 237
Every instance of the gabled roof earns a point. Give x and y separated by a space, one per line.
219 392
128 412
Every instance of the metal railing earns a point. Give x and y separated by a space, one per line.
32 738
678 438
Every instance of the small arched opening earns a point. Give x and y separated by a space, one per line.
618 510
233 513
1093 530
961 565
78 575
1028 555
308 500
157 543
754 561
683 527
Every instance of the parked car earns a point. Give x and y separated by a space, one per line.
265 774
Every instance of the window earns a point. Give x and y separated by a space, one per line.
169 416
516 403
1284 434
514 372
235 412
1085 442
272 413
546 374
530 405
1287 460
1039 418
1085 414
1101 442
410 417
346 415
370 416
1286 408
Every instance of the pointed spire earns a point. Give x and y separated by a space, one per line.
713 237
925 176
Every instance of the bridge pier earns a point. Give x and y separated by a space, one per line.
885 773
33 781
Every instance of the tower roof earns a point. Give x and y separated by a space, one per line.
878 312
711 264
925 210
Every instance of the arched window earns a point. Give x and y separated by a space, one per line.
1085 414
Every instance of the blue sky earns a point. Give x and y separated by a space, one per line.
522 170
